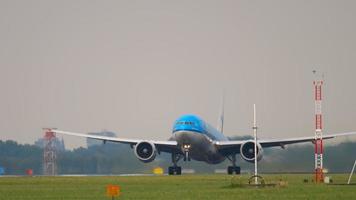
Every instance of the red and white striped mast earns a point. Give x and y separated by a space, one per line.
318 82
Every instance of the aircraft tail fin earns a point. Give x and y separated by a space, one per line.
220 125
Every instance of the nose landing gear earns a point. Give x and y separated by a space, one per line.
186 148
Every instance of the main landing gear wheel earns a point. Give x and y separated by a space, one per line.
233 170
174 170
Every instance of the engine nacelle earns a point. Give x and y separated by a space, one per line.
145 151
247 151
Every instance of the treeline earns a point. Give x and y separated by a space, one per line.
16 158
119 158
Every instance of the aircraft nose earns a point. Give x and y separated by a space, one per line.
188 140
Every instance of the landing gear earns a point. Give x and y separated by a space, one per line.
175 170
186 148
186 156
233 169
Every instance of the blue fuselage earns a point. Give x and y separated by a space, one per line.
191 131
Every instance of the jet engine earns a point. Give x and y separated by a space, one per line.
247 151
145 151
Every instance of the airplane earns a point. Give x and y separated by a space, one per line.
193 138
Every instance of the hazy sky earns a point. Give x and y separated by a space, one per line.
134 66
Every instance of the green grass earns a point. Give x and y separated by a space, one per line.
170 187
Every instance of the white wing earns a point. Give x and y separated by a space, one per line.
232 146
166 146
283 142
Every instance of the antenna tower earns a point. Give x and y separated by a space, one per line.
319 176
49 153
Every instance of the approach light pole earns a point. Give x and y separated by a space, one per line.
255 135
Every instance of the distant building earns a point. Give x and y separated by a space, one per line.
2 171
94 142
58 143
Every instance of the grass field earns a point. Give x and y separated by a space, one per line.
171 187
